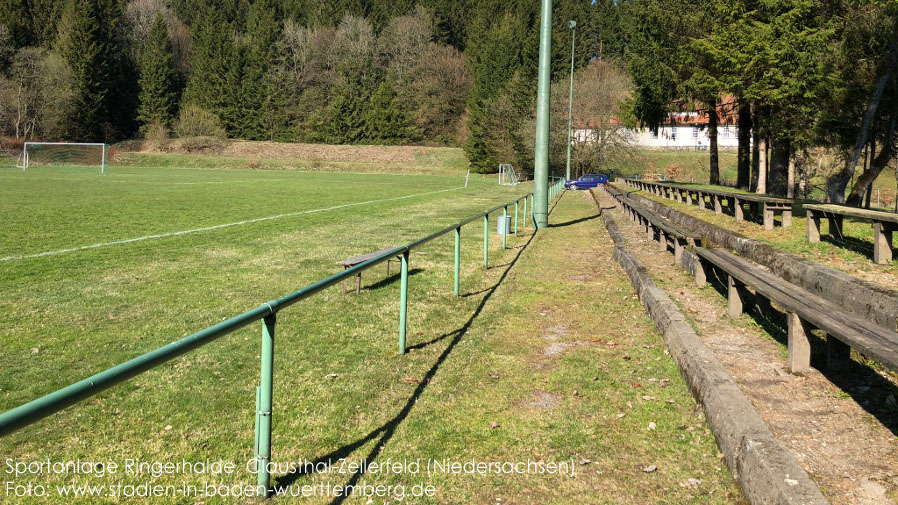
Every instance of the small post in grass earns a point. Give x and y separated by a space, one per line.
263 404
516 218
504 227
403 300
486 240
457 257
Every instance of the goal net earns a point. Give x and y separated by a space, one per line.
507 175
64 154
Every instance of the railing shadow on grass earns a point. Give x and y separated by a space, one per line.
862 382
384 433
386 281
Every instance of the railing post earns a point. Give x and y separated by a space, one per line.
516 218
486 241
527 197
504 227
457 257
403 300
263 400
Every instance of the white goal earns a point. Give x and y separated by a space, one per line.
507 175
73 154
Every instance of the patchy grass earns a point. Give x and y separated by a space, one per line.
693 166
476 360
237 155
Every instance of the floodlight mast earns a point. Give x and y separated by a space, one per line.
541 161
570 106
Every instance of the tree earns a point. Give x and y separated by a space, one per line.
36 96
158 78
385 121
213 59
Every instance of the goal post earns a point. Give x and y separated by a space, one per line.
507 175
85 154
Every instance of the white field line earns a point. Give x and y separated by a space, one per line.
216 227
156 183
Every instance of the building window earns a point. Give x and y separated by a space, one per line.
673 133
695 132
654 134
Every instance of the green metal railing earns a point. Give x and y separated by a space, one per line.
40 408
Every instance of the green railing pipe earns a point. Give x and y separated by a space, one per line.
403 301
457 259
44 406
486 241
263 416
525 211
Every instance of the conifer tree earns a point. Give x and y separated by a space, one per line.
213 62
83 48
385 121
158 78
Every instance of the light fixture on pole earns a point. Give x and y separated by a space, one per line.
570 106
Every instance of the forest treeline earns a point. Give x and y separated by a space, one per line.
806 75
344 71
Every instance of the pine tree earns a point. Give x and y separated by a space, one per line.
158 78
83 48
385 121
214 61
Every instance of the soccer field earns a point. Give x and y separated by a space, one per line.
96 269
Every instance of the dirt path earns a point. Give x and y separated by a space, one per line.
841 428
585 362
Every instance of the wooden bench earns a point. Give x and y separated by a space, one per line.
667 232
351 262
764 207
804 311
884 223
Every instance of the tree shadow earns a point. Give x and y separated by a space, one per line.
853 244
574 221
391 279
385 432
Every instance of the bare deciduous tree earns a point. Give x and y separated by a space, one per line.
37 94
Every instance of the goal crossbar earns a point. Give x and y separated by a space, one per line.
102 146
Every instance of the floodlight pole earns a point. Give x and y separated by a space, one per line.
541 162
570 106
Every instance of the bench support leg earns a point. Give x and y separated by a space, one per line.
701 201
787 218
718 208
678 251
738 209
662 241
768 217
403 301
689 197
701 274
835 227
813 227
882 244
734 298
799 345
838 354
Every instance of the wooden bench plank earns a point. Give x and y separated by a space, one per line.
866 337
